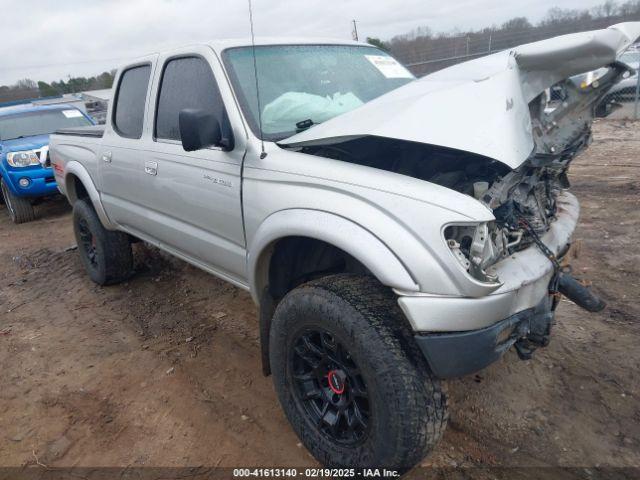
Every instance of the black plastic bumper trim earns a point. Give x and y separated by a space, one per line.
457 354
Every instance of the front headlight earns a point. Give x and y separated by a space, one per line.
592 79
474 248
23 159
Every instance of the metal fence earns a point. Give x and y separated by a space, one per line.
424 56
622 100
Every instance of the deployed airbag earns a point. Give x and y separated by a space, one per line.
284 112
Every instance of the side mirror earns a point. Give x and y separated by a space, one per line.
199 129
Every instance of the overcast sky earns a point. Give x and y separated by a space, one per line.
45 40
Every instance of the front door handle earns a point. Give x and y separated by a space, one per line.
106 157
151 168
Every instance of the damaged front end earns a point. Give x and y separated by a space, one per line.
485 128
524 200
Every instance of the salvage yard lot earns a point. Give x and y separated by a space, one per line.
164 370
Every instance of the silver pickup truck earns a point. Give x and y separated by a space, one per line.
393 231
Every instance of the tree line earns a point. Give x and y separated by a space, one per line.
28 89
421 49
425 51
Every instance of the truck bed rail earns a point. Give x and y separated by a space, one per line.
93 131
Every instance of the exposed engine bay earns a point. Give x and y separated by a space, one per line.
523 200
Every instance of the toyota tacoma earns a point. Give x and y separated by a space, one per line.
25 169
394 232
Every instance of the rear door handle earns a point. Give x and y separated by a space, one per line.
106 157
151 168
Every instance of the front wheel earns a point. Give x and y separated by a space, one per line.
20 209
349 377
106 255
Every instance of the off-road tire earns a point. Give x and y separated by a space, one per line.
408 410
113 259
19 208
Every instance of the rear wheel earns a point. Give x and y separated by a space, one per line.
349 376
20 209
106 254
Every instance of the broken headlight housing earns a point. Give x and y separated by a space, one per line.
476 247
26 158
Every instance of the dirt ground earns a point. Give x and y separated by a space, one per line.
164 370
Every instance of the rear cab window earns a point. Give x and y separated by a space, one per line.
131 96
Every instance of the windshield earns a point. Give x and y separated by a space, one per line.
303 85
43 122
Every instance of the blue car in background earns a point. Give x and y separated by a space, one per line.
25 169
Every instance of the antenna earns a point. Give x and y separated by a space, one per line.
263 154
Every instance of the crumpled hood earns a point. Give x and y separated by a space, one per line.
480 106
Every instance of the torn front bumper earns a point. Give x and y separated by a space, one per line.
457 354
525 276
461 335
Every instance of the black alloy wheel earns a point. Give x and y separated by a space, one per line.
87 242
350 378
106 254
330 387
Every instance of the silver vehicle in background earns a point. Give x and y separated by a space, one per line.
623 92
394 232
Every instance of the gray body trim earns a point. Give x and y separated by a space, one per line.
74 168
337 231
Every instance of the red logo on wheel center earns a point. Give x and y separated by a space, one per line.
336 383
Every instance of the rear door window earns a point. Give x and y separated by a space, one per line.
187 82
130 100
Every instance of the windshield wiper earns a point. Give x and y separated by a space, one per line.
304 125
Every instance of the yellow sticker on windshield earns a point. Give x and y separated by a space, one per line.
389 66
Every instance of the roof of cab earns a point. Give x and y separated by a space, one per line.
219 45
223 44
4 111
